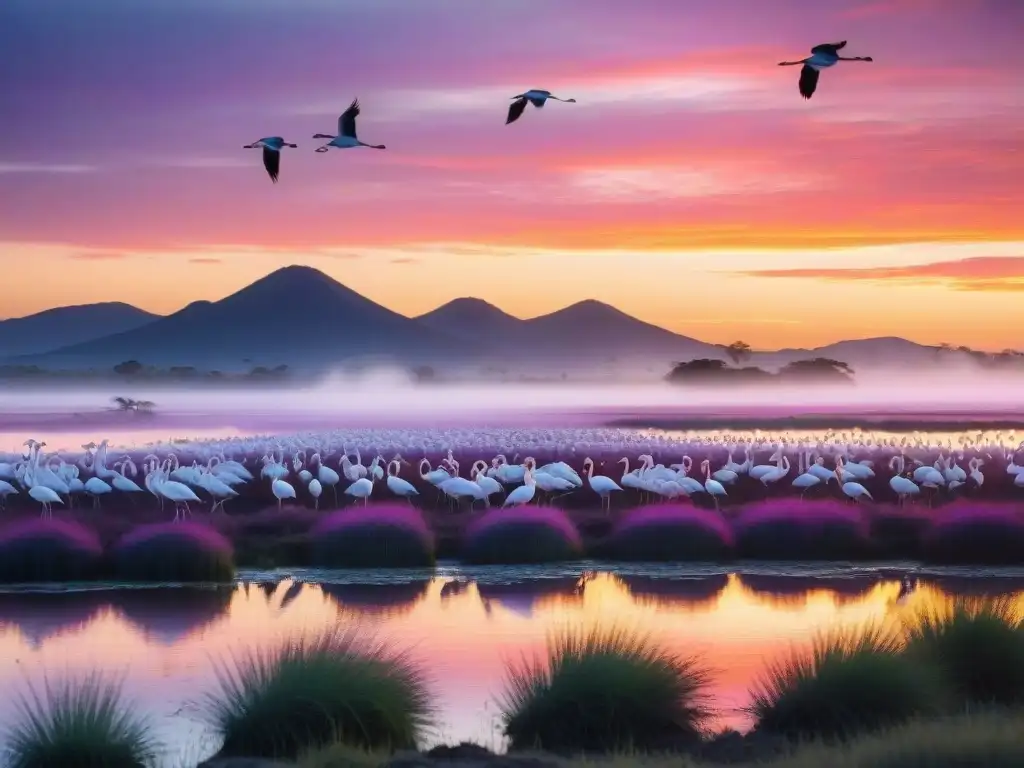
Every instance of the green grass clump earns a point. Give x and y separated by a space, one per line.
311 691
605 690
994 740
849 683
84 723
977 647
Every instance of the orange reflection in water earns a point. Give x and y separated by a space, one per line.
168 642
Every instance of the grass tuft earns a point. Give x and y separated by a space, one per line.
849 683
977 646
307 692
85 723
991 740
605 690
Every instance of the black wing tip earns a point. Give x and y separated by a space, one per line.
515 110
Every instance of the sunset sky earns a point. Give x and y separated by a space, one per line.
690 186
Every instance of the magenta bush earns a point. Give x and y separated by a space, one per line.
790 529
174 552
377 536
49 551
522 535
976 533
670 532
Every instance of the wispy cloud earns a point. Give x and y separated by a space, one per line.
201 163
404 260
671 183
205 260
982 273
45 168
702 90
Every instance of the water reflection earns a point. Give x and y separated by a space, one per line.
689 594
463 631
168 616
378 599
788 592
525 597
40 616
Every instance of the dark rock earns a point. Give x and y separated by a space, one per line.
730 747
467 755
464 751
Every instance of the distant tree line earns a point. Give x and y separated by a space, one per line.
1008 358
133 370
706 371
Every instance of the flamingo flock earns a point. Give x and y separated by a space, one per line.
305 466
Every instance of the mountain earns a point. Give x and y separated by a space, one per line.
296 316
469 318
582 332
65 326
593 328
878 352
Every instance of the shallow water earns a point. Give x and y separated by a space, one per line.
462 623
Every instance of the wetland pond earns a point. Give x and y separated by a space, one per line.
463 624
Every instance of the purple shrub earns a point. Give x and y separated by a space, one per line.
899 531
522 535
175 552
270 522
972 533
670 532
790 529
50 551
377 536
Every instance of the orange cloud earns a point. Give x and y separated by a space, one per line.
205 260
982 273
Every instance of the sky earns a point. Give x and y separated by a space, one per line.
690 185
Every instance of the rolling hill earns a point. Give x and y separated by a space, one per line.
66 326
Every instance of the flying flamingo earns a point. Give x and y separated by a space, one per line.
822 56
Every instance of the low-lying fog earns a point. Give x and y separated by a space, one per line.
392 395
